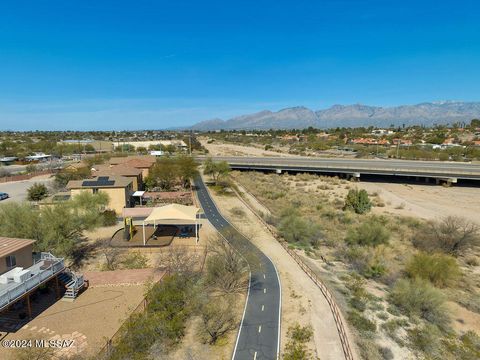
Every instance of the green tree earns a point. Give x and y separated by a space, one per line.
187 168
37 192
217 169
475 123
358 201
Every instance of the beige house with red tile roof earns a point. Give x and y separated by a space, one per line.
144 162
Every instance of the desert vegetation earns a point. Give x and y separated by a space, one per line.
395 277
59 228
189 298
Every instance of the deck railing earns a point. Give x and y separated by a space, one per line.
13 293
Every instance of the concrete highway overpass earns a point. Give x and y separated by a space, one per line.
440 171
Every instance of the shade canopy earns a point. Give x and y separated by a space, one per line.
173 214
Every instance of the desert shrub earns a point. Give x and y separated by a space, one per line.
358 201
417 297
295 229
370 233
466 347
426 339
237 211
135 260
217 318
226 270
452 235
170 304
37 192
361 323
296 348
441 270
386 353
109 218
31 168
472 260
368 349
361 260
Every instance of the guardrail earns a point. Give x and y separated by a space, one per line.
12 294
347 351
421 171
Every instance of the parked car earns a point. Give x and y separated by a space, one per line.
3 196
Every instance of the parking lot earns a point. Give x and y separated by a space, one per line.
17 190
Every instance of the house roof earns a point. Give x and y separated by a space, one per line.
10 245
140 163
120 169
100 182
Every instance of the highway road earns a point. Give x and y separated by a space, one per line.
430 169
259 335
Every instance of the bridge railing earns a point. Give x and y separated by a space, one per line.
347 351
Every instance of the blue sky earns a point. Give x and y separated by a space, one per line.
157 64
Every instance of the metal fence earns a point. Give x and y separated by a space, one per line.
11 178
347 351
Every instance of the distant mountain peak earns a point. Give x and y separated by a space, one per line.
355 115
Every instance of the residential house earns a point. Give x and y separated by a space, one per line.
136 175
118 188
15 253
145 163
402 142
369 141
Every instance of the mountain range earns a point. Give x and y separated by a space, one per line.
357 115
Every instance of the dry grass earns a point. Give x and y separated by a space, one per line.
320 200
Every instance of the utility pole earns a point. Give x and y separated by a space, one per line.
190 141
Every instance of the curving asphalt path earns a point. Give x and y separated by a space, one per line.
259 335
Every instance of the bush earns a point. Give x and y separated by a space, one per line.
37 192
426 339
135 260
109 218
441 270
295 229
31 168
417 297
295 349
358 201
217 319
361 323
371 233
452 235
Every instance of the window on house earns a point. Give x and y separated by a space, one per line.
11 261
95 191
